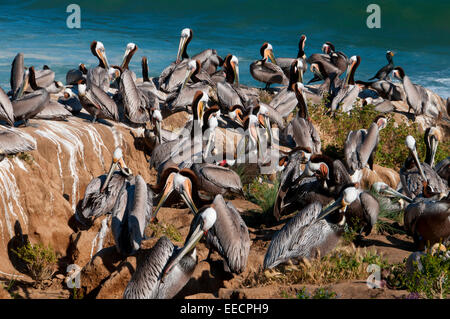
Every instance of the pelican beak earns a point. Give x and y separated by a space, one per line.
187 77
434 145
125 57
158 131
201 110
102 56
24 85
236 72
316 71
416 160
195 237
112 169
393 192
338 204
300 75
186 195
266 123
168 189
271 56
181 48
238 118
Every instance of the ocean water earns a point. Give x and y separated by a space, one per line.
417 31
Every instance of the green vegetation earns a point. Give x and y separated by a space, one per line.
391 152
263 193
168 230
431 280
41 261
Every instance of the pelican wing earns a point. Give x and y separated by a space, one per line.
134 101
102 101
6 108
229 235
351 147
285 243
227 95
12 143
17 73
371 209
144 284
221 177
53 111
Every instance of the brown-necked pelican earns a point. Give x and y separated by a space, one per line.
44 78
135 101
332 62
12 142
383 73
99 76
301 132
349 91
229 236
164 270
175 181
417 96
313 232
131 215
75 76
268 72
101 193
285 63
416 179
28 105
432 137
289 177
97 102
360 147
6 108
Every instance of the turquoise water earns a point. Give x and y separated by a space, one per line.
417 31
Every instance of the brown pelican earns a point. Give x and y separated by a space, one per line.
44 78
17 74
416 179
360 147
229 236
102 192
349 91
131 215
301 130
268 72
383 73
432 137
135 101
286 100
97 102
182 182
215 179
417 96
53 110
385 89
285 63
428 221
332 62
173 75
11 142
289 177
71 101
362 214
99 76
129 52
75 76
313 232
164 270
6 108
28 105
149 85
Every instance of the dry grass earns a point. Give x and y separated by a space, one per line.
169 230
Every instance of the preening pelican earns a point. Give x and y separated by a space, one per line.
101 193
268 72
164 270
97 103
312 232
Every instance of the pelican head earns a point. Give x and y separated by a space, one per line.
263 118
117 162
236 114
179 182
411 144
129 51
316 70
348 196
267 52
381 121
186 36
192 67
399 73
201 224
157 120
98 50
235 66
